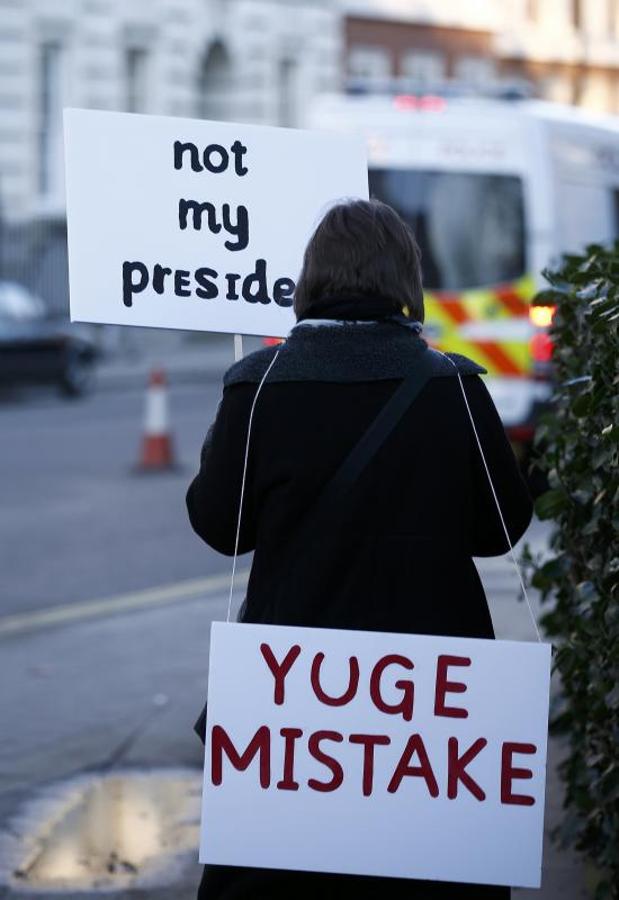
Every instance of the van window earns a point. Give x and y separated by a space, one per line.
585 215
470 227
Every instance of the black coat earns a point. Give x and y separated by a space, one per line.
397 555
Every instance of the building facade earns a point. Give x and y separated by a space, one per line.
253 61
568 50
245 60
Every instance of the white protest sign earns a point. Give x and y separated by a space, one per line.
376 754
182 223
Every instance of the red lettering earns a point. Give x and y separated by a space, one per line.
260 743
405 706
328 761
369 741
456 766
509 773
404 769
443 686
279 670
353 682
288 783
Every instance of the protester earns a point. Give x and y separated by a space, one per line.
395 551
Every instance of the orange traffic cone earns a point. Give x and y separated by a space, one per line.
157 450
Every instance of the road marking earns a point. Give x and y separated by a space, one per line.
77 612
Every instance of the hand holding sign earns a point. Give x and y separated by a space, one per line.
196 225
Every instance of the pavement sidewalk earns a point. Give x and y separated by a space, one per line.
563 873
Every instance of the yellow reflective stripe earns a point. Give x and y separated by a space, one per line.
518 352
450 340
525 287
481 304
435 311
452 343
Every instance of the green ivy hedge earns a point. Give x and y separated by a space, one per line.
578 449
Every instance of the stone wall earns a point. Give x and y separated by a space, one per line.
245 60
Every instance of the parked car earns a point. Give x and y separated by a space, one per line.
35 348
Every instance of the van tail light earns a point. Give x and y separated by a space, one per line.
541 343
541 347
405 101
520 434
541 316
423 103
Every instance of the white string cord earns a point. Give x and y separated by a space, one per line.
243 479
498 505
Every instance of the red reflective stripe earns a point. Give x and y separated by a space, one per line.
454 308
517 305
501 360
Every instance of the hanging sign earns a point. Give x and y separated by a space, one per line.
182 223
376 754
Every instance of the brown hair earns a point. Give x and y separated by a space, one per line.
361 247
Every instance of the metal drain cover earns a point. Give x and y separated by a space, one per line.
105 832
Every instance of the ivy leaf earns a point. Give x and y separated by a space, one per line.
551 503
612 698
578 450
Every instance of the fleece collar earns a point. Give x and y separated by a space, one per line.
350 352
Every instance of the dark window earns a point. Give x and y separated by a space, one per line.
50 115
470 227
215 86
287 73
136 65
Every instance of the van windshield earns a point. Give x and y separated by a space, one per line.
470 227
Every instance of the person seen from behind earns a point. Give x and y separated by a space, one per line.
395 552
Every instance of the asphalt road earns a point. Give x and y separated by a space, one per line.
77 522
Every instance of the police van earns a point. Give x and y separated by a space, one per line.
495 189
